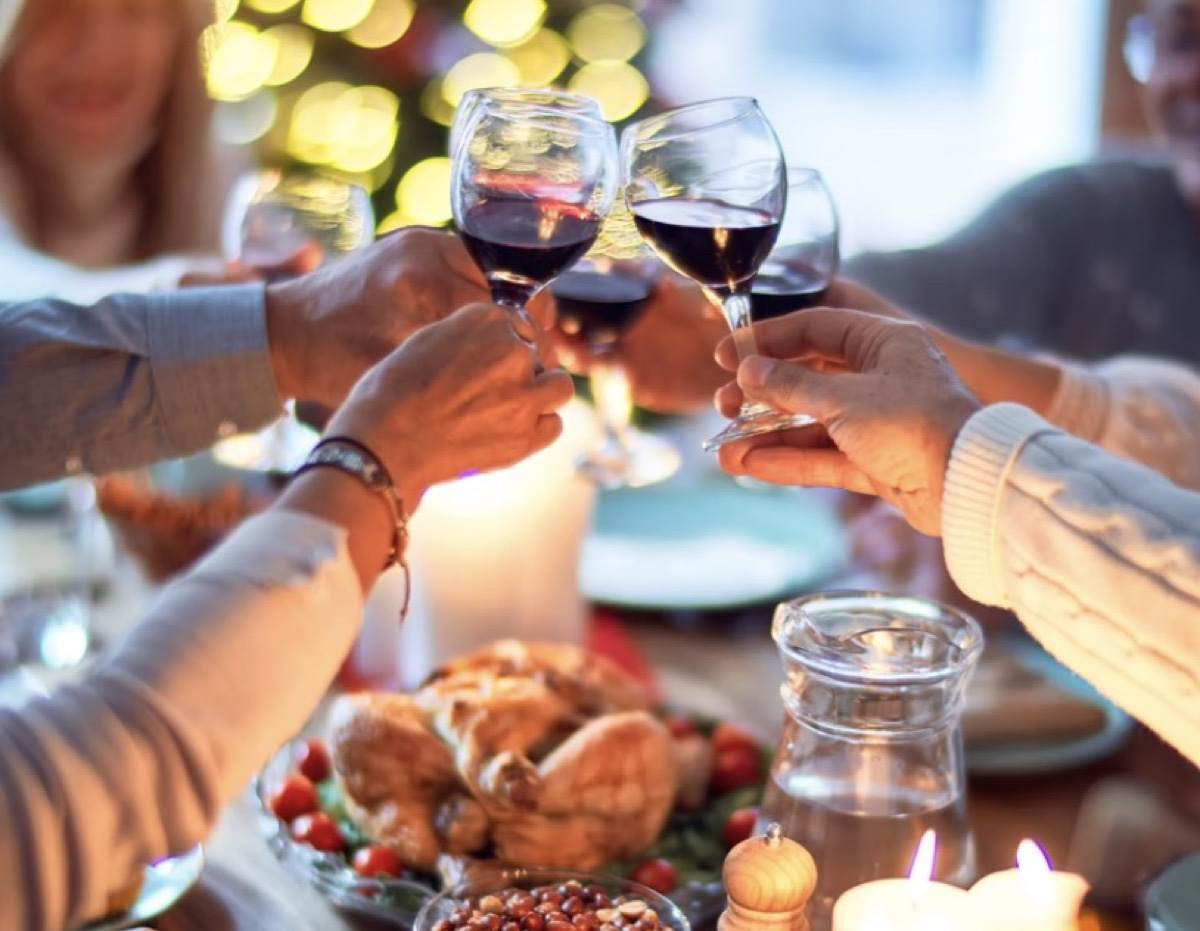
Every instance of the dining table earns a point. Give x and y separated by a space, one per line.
722 664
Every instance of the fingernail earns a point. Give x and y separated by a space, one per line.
755 371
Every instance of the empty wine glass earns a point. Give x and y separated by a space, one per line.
598 300
707 187
282 225
529 191
546 97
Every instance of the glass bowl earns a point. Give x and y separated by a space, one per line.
445 903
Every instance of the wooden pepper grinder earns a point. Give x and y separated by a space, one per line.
768 882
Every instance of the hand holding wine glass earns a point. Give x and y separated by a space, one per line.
706 185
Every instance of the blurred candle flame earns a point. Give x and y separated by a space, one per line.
921 870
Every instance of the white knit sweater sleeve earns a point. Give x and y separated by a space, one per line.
1099 557
1146 410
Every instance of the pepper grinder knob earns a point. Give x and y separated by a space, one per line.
768 882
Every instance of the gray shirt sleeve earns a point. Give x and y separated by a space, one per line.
129 380
998 277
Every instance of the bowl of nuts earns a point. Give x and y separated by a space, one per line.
549 900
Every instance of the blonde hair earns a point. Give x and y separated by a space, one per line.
180 177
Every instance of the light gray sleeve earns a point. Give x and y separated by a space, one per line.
129 380
997 279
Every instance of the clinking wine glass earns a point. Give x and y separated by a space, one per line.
598 300
516 97
804 261
707 187
529 191
282 225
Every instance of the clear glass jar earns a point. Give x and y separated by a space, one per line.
871 751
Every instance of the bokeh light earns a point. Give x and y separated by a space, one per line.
238 60
349 128
223 10
483 69
335 15
245 121
541 59
293 52
618 86
606 32
271 6
423 194
434 104
504 22
385 24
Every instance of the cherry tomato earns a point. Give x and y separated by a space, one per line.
312 759
680 725
734 768
319 831
377 861
739 826
659 875
726 735
295 796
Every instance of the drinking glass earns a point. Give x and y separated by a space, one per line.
598 300
871 753
546 97
707 187
805 259
529 190
282 225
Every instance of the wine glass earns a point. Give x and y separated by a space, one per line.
529 190
282 225
804 261
598 300
707 187
546 97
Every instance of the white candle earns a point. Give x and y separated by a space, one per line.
913 904
1033 897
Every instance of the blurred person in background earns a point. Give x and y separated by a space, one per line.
107 162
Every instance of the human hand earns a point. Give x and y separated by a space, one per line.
460 395
889 407
668 352
326 328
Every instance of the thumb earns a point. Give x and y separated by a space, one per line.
786 386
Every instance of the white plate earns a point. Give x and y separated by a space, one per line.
708 543
1023 757
1173 899
165 883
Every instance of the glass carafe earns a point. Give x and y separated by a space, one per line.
871 751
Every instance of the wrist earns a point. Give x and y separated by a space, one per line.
285 335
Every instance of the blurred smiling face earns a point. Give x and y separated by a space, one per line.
86 79
1174 86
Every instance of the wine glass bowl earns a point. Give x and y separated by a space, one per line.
707 188
529 191
516 98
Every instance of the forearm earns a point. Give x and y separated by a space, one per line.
130 380
136 761
995 375
1098 557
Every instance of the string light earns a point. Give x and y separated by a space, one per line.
293 52
335 15
504 23
606 32
618 86
542 58
271 6
423 194
238 60
248 120
223 10
483 69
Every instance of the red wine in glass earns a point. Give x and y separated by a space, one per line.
521 243
717 245
596 308
780 289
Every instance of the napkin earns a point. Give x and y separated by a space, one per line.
1008 700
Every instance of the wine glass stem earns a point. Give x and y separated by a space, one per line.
736 308
612 397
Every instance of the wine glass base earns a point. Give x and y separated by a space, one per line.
766 421
644 459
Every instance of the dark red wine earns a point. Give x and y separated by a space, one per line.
779 290
526 239
715 244
597 307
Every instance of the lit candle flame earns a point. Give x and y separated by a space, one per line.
1032 859
921 870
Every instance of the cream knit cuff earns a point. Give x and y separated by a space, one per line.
984 453
1080 405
